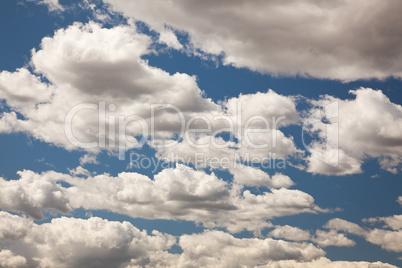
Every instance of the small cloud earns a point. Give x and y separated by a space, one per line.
88 159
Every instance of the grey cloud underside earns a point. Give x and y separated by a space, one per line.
344 40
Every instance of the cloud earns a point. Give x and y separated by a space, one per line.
101 67
88 159
393 222
32 194
326 263
250 176
174 193
9 260
91 64
52 5
332 238
337 40
346 226
290 233
388 239
369 126
201 250
92 243
96 242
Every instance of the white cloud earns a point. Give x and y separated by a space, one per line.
393 222
250 176
96 242
9 260
52 5
388 239
400 200
326 263
88 159
218 249
70 242
91 64
179 193
13 227
369 126
32 194
332 238
337 40
290 233
346 226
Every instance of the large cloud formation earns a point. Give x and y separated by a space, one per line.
174 193
345 40
96 242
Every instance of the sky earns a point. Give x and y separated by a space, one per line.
200 133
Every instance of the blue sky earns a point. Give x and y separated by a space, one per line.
115 52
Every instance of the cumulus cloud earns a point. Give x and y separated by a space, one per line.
388 239
98 77
369 126
96 242
332 238
92 243
326 263
9 260
250 176
91 64
31 195
232 251
290 233
174 193
337 40
393 222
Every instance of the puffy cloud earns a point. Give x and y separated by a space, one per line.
70 242
387 239
88 159
13 227
337 40
369 126
23 90
332 238
400 200
346 226
202 249
98 78
174 193
250 176
326 263
393 222
91 64
96 242
32 194
290 233
9 260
